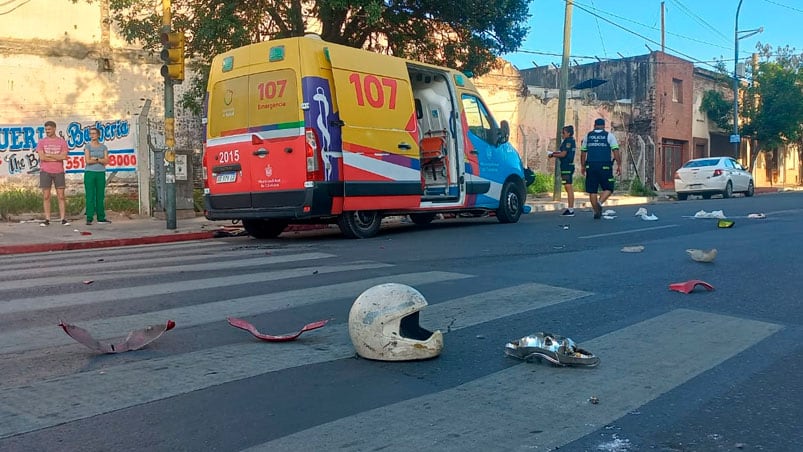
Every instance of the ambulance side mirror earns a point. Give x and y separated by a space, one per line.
503 133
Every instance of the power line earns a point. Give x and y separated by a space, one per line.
691 58
784 6
599 31
699 20
649 27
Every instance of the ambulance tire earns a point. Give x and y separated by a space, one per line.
510 203
422 219
264 229
360 224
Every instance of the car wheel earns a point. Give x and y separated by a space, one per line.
510 204
751 190
422 219
682 196
728 190
360 224
264 229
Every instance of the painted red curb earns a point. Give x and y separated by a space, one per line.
64 246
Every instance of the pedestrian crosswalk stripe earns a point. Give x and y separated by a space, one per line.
55 265
94 253
62 399
639 363
107 271
185 316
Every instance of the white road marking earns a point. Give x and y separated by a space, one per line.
40 337
103 271
629 231
79 396
639 363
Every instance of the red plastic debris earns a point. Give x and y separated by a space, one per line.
134 341
86 233
243 325
688 286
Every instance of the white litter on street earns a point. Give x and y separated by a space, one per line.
718 214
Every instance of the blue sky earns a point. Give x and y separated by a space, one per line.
696 30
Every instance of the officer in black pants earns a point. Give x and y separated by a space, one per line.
597 164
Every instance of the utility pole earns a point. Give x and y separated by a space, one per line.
173 56
737 35
564 82
663 28
734 138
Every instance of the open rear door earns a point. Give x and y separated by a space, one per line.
380 149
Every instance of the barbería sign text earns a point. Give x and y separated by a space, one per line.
18 146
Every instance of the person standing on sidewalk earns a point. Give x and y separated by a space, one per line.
597 164
52 151
566 155
96 155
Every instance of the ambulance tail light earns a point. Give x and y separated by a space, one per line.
313 155
204 175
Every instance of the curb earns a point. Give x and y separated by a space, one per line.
65 246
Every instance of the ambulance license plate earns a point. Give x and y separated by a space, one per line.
226 177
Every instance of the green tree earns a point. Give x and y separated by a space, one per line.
772 109
467 35
771 106
718 109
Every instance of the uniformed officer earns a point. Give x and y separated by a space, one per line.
597 164
566 156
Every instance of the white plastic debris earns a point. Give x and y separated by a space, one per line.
702 256
641 211
757 216
718 214
646 217
609 217
609 212
633 249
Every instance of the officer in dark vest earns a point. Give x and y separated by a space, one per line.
597 155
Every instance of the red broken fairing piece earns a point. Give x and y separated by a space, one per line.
243 325
134 341
688 286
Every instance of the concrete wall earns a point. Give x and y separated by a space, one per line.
64 61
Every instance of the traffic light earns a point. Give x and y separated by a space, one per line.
173 56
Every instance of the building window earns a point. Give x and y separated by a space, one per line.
677 90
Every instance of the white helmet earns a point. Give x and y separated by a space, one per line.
383 325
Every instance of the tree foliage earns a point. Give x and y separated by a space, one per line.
771 105
463 34
773 101
717 108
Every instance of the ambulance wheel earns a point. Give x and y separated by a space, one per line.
422 219
510 203
264 229
360 224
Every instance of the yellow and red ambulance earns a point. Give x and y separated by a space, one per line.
300 130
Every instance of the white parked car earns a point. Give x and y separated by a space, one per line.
713 176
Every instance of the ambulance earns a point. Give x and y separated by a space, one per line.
302 131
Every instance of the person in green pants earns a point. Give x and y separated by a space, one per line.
96 155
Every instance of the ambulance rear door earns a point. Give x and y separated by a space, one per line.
380 136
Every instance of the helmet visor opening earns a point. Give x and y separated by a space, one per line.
409 328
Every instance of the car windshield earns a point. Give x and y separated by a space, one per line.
699 163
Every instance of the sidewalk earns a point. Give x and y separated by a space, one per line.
24 235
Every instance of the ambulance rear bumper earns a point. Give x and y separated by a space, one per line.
301 204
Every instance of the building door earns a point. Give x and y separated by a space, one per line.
671 160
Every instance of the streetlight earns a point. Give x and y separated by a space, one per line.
735 138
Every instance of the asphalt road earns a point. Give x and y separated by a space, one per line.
716 370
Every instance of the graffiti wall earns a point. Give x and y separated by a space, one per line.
18 156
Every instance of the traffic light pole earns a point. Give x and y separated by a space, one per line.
564 82
170 133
